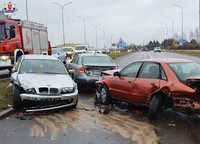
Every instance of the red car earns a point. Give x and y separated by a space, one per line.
158 83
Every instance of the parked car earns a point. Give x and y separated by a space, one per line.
157 49
60 54
86 68
157 83
41 82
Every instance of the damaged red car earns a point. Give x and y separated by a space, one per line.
157 83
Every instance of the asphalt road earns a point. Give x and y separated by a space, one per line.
87 126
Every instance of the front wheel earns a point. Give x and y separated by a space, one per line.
105 95
155 107
17 103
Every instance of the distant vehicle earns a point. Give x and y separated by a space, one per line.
158 83
86 68
70 51
81 49
19 37
157 49
60 54
41 82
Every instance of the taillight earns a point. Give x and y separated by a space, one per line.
81 70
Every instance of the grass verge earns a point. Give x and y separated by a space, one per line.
5 94
117 55
191 53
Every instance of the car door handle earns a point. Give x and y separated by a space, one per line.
129 82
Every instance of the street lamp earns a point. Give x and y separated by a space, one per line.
166 28
62 7
96 31
181 16
84 19
172 19
26 10
104 35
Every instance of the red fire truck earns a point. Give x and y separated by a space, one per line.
19 37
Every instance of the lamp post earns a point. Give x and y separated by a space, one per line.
26 9
166 29
62 8
172 19
181 16
84 19
96 32
104 35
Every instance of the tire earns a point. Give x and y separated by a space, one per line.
105 95
17 103
155 107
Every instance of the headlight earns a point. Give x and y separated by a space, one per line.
5 57
67 90
30 91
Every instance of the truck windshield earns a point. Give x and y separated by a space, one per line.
80 48
2 31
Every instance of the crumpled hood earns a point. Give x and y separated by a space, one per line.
47 80
110 72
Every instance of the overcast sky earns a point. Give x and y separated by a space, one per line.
135 21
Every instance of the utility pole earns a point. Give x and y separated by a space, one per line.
27 10
84 26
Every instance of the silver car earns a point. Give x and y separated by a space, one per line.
41 82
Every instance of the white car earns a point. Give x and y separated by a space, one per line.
157 49
41 82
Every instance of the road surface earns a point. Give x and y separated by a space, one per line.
87 126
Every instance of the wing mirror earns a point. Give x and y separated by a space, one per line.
117 74
71 72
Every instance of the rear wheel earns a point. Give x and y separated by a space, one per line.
17 103
105 95
155 107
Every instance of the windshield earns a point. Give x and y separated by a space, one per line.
80 48
185 70
96 60
2 31
42 66
67 49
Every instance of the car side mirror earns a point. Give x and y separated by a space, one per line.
117 74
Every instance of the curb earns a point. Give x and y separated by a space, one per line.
6 113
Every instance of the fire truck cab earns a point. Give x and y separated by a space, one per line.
21 37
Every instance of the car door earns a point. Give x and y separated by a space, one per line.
121 86
147 82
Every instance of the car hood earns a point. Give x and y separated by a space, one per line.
110 72
47 80
193 78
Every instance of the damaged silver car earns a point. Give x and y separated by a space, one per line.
41 82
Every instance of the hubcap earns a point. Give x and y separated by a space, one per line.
103 95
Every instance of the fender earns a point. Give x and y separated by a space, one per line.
17 53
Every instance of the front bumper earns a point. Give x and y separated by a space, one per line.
49 102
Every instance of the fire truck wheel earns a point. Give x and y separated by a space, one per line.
17 103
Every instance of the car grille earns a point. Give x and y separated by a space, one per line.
45 90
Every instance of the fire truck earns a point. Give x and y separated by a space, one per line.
19 37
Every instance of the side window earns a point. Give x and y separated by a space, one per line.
131 70
163 75
150 71
10 31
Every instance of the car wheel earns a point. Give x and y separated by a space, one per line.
105 95
155 107
17 103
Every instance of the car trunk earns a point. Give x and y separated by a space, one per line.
95 70
194 83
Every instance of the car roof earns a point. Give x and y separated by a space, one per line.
46 57
92 54
167 60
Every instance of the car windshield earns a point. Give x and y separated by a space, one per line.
80 48
185 70
67 49
2 31
42 66
96 60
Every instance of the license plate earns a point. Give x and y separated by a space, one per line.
5 62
